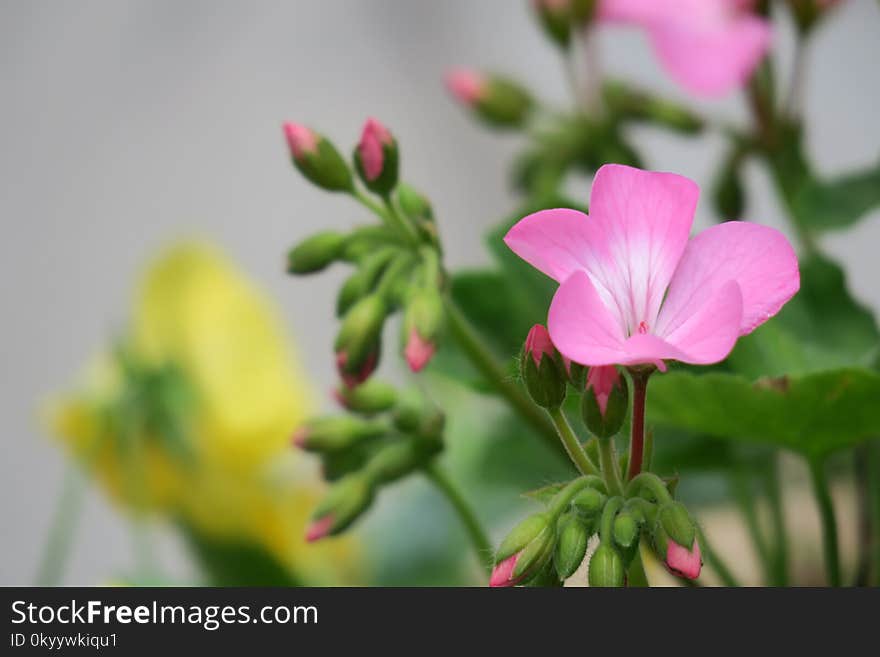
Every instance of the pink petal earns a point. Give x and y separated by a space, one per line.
684 562
712 60
602 380
639 223
467 86
418 351
373 138
581 326
760 260
502 574
319 528
708 335
555 242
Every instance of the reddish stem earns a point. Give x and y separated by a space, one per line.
637 437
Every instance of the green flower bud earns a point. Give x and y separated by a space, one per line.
422 320
542 370
498 101
571 545
317 159
343 504
589 502
676 522
521 535
396 460
416 415
376 158
418 210
634 104
368 399
625 529
364 280
605 401
336 433
357 342
315 253
606 567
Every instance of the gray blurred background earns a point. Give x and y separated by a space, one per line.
125 124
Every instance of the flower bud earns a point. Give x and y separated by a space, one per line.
625 529
362 281
397 459
637 105
376 158
421 326
679 560
675 520
418 210
315 253
332 434
317 159
589 502
525 551
368 399
498 101
357 344
415 414
555 17
605 401
577 373
541 369
571 545
606 567
343 504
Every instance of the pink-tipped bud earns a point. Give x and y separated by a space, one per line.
467 86
300 436
683 562
539 344
602 381
502 574
373 138
319 528
418 351
354 379
300 140
339 398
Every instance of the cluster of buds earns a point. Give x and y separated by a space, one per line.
547 374
550 546
397 265
388 435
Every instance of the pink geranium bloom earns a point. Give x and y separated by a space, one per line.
374 138
635 290
708 46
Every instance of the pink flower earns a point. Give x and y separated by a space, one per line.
635 290
684 562
373 138
602 380
708 46
502 574
538 344
319 528
300 140
467 86
418 351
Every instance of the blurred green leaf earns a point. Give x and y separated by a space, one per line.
840 203
812 414
230 562
821 328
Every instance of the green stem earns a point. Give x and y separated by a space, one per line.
637 435
745 499
874 490
61 532
609 466
403 225
485 363
636 576
779 554
861 466
653 483
829 523
466 515
372 206
572 446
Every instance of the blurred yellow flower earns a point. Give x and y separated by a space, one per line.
191 416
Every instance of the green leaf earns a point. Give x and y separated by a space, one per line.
235 562
821 328
839 203
812 414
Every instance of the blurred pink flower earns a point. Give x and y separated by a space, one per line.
467 86
709 47
300 140
635 290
